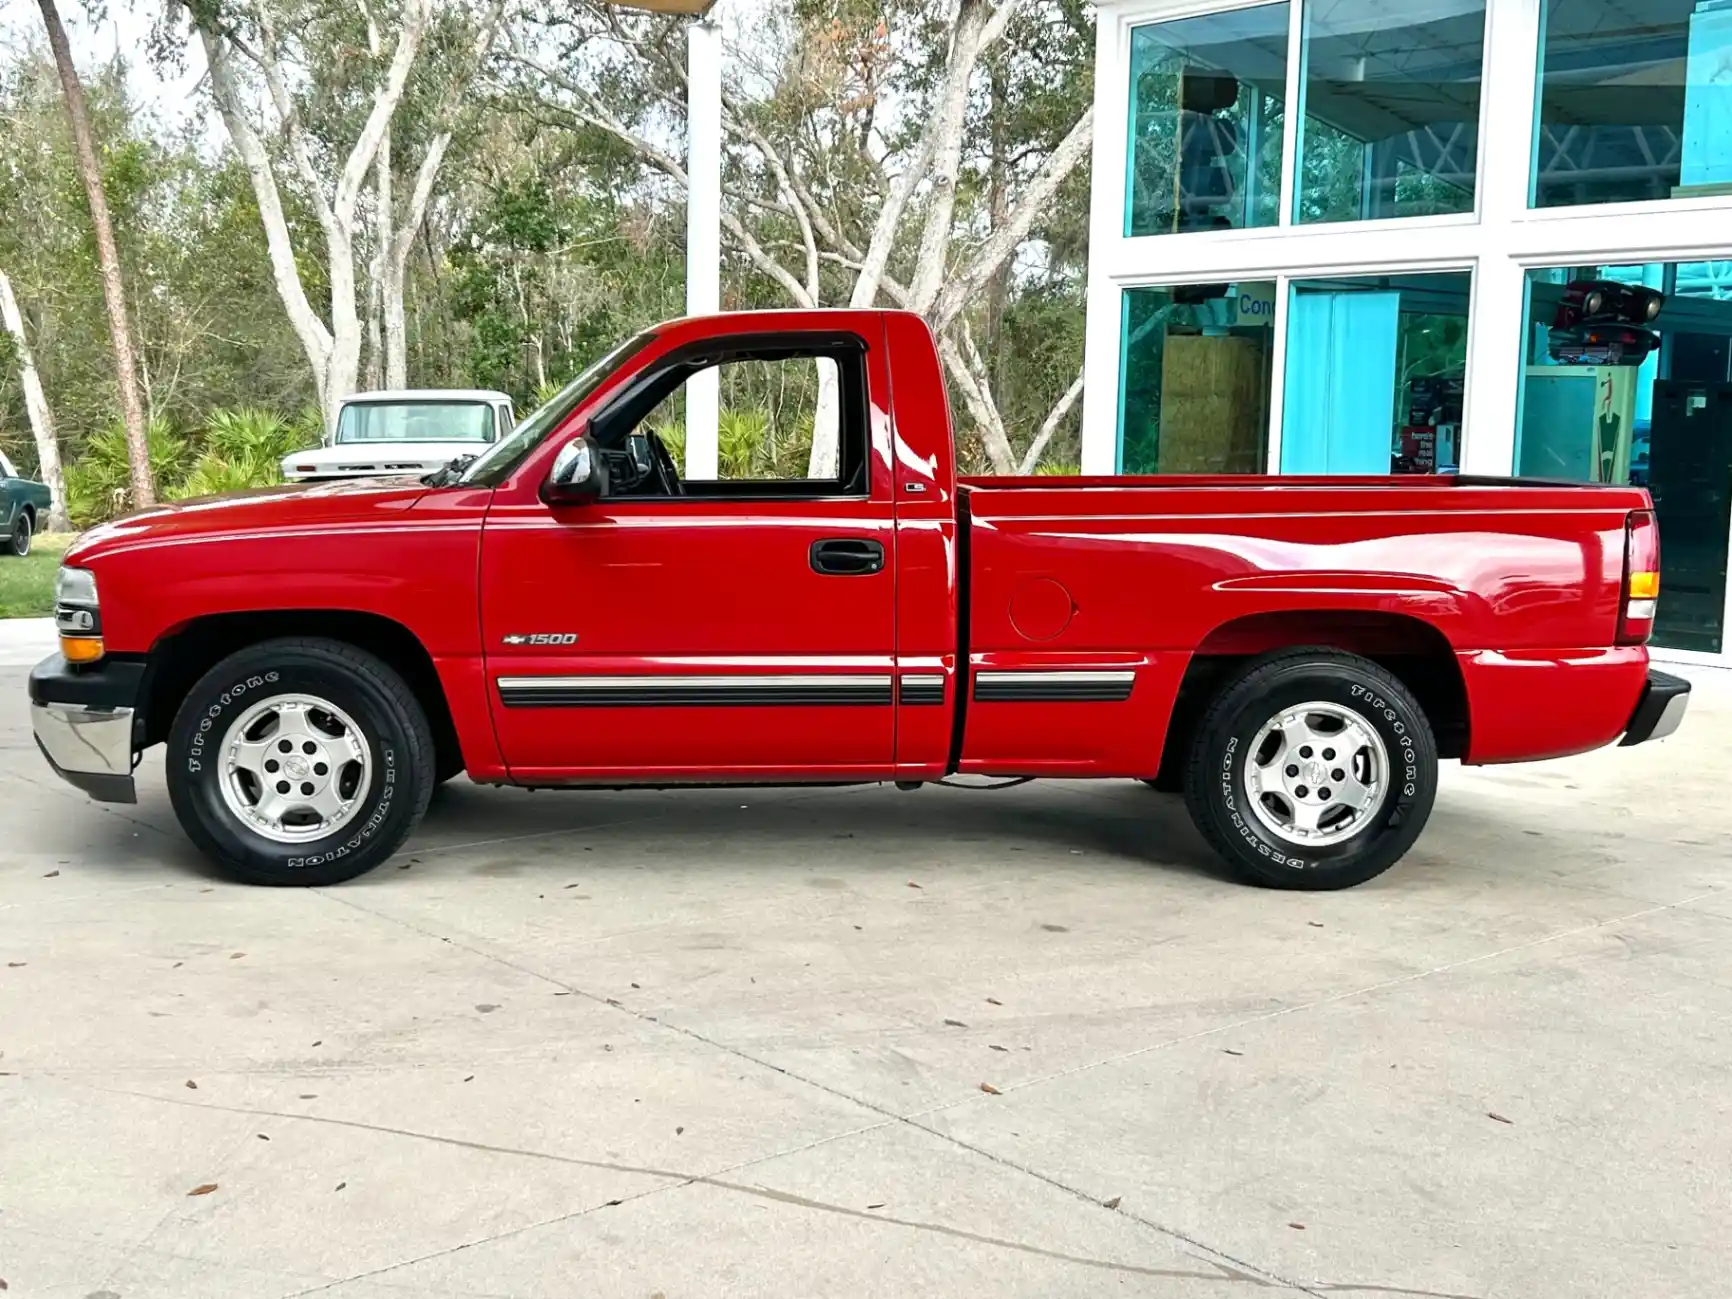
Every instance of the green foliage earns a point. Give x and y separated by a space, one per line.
98 483
741 441
251 433
214 474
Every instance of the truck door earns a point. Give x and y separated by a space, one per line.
737 625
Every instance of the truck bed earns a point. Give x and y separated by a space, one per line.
1487 577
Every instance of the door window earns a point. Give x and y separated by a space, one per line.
787 423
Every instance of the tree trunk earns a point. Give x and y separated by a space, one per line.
396 326
342 372
824 460
36 406
113 291
998 208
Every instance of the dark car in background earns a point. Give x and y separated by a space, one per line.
23 506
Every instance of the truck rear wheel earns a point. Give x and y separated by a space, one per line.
300 762
1312 769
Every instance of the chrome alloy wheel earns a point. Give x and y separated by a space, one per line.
1316 774
295 768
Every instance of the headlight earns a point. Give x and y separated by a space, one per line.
78 615
75 586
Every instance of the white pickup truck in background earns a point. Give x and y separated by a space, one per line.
406 431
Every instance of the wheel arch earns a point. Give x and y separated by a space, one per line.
184 654
1414 651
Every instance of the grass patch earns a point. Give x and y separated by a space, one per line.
27 585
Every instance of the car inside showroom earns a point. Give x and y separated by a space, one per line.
1451 236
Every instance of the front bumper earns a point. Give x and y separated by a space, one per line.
84 724
1660 710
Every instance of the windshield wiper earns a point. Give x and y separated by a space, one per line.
447 473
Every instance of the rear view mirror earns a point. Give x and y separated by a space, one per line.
578 475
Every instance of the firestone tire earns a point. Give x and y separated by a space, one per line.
1261 842
18 543
391 767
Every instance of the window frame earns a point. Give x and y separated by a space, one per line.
639 397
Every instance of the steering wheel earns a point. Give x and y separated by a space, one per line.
666 469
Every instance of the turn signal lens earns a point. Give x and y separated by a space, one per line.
1644 586
81 649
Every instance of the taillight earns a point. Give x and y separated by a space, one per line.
1641 578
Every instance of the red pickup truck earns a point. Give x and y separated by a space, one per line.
1295 654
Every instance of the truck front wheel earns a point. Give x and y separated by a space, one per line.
300 762
1312 769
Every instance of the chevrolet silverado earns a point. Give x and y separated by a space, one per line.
568 609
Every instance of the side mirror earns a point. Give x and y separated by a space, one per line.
578 475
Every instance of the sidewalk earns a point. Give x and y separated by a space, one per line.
23 641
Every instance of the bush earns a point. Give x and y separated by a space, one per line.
99 482
238 449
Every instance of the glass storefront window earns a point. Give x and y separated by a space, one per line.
1614 391
1635 101
1206 122
1194 371
1391 108
1375 374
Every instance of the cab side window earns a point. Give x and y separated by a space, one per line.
791 422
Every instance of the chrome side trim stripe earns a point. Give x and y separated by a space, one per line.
1054 687
921 688
820 690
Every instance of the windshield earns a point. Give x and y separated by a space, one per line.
492 465
415 421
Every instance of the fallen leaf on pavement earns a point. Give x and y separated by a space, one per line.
1112 1203
263 1137
678 1131
1500 1118
955 1023
994 1001
912 884
470 1078
879 1205
191 1086
1297 1226
990 1090
235 956
206 1189
1315 924
487 1007
341 1185
1230 1051
634 985
16 965
309 1096
994 1046
50 875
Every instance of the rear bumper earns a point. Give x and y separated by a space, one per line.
83 721
1660 711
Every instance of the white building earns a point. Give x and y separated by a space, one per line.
1372 281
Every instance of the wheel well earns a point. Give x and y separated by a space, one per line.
179 659
1413 651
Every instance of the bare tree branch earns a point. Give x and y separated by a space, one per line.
962 359
1005 240
315 338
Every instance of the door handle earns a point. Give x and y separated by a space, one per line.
847 557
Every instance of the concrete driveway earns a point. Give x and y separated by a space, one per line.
856 1042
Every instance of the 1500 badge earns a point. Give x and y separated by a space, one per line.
543 638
